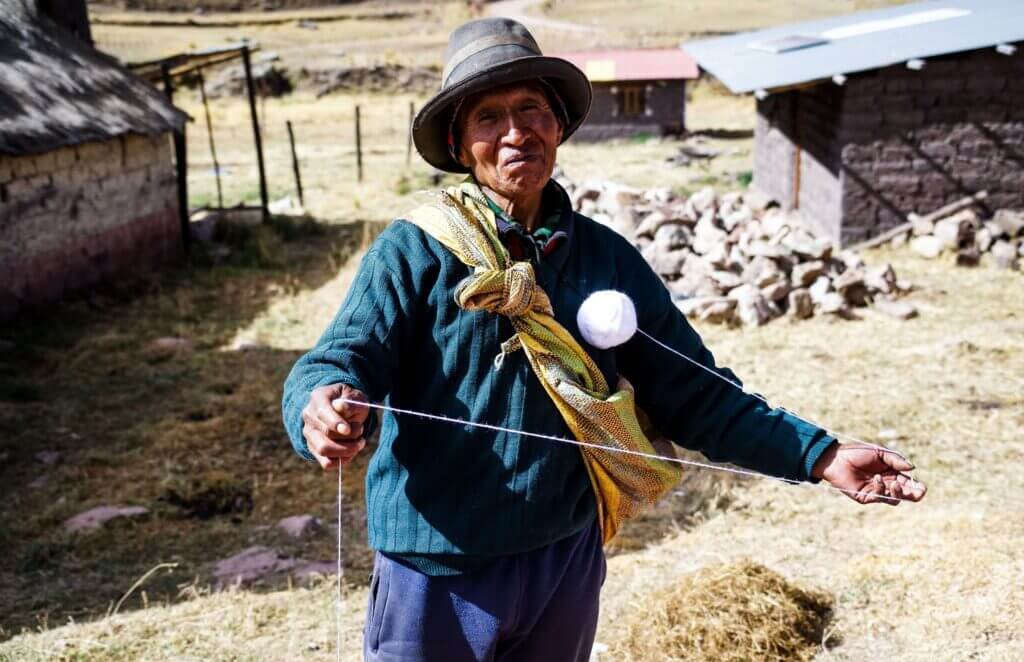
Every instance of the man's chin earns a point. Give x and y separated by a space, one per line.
525 177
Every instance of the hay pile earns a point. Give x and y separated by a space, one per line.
738 611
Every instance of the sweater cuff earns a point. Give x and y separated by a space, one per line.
814 451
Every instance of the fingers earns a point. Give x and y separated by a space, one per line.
894 460
347 405
907 489
335 418
328 452
890 489
874 491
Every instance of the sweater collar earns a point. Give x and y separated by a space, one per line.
549 243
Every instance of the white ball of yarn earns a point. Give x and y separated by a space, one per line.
607 319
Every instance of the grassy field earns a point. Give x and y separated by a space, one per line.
698 17
137 424
919 581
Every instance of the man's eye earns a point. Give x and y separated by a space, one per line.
486 117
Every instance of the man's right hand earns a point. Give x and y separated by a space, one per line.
332 427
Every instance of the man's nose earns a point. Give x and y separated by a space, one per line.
515 131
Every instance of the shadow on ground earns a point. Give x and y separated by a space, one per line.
191 433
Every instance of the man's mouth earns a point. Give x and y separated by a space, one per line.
520 158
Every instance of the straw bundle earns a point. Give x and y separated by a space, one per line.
740 611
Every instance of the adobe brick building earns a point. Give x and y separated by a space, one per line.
863 119
857 158
88 186
639 91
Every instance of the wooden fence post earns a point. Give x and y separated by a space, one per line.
408 145
359 148
209 133
250 88
295 163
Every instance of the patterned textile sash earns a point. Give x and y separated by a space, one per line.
624 484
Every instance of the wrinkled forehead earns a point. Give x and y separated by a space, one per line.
498 95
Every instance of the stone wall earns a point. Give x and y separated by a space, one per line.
664 112
808 178
774 151
76 216
913 141
894 141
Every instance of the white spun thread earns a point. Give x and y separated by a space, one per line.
626 451
586 444
765 400
340 568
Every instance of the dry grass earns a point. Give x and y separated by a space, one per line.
663 22
137 426
937 580
727 613
417 39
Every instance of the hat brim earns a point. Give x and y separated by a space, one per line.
430 128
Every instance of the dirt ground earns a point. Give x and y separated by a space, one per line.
137 424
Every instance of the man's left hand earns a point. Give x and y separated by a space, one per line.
869 474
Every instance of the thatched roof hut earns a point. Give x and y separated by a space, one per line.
57 91
89 191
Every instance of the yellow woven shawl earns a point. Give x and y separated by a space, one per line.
624 484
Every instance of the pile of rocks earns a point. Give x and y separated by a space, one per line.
375 78
269 79
963 232
730 260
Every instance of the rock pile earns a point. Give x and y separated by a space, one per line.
732 261
965 233
375 78
268 79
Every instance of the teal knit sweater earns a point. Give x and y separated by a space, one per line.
446 497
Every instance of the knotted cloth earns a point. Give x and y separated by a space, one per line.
460 219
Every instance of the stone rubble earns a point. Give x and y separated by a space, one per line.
95 518
970 237
257 563
300 526
732 262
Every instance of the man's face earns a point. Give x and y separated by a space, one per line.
508 138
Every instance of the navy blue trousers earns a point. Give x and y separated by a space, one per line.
537 606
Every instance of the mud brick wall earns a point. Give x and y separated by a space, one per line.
913 141
76 216
775 148
894 141
664 113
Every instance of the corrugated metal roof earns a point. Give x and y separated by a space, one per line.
770 58
634 64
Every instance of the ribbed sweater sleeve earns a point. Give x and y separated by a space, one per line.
693 407
361 346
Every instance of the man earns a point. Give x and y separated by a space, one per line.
489 543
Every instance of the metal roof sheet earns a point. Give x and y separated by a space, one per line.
633 64
763 59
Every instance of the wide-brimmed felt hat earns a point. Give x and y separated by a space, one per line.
486 54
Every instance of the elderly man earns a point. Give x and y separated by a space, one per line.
489 542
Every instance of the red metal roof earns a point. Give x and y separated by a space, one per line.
634 64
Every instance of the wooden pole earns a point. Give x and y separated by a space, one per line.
408 144
941 212
181 166
295 162
209 132
247 65
359 148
